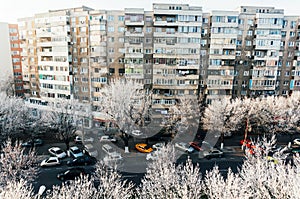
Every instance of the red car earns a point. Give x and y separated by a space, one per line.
247 143
195 145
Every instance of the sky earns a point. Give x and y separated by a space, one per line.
11 10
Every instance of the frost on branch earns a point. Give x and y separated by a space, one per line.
10 118
111 185
80 188
164 180
16 189
16 164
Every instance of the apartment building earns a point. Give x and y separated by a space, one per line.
7 58
223 38
175 49
176 52
16 81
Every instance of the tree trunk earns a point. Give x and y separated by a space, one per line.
222 140
67 142
245 133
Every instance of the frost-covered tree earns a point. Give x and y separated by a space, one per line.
16 164
267 115
8 86
268 178
183 117
81 188
17 189
219 118
64 117
127 104
10 115
111 184
217 186
290 118
163 179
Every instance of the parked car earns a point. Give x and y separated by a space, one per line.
153 155
51 161
90 150
57 152
108 149
108 138
196 145
296 141
71 174
158 145
82 161
182 146
75 152
113 158
144 148
80 140
213 153
136 132
36 142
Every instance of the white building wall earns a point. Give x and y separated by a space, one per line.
6 66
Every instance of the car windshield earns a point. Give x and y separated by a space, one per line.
58 151
76 151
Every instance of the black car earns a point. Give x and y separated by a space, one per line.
81 161
36 142
71 174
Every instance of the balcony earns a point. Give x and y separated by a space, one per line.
134 34
134 23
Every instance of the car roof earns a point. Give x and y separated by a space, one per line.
55 148
53 158
74 147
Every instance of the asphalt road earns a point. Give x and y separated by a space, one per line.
134 164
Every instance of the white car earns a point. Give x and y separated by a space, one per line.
108 138
153 155
136 132
51 161
113 158
213 153
75 152
57 152
182 146
296 141
90 150
158 145
79 140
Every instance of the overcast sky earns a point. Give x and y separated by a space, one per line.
11 10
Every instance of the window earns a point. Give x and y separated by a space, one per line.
291 44
248 43
148 29
84 89
121 18
110 18
110 29
121 39
111 39
249 32
120 29
287 73
292 34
